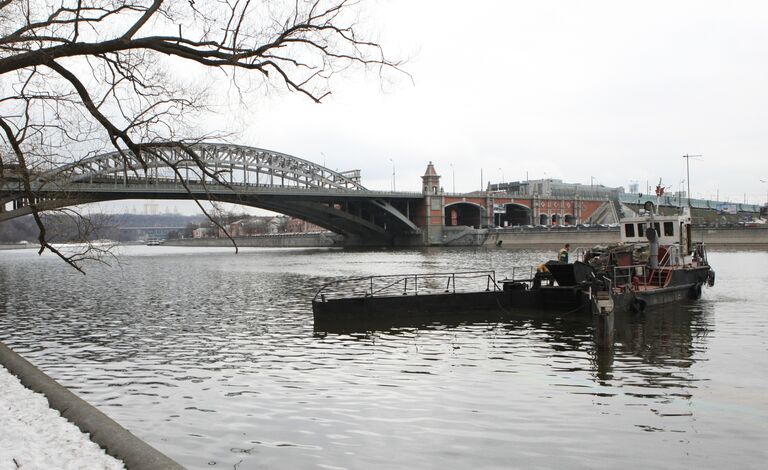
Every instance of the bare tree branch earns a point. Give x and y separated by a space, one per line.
80 76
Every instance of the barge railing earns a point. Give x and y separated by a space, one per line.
408 284
522 274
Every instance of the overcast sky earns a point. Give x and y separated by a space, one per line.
603 91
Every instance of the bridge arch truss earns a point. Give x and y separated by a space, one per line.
204 163
223 172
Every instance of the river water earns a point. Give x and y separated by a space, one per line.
212 358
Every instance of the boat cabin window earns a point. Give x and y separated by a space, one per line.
657 227
640 230
669 229
629 230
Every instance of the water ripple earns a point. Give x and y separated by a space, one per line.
213 359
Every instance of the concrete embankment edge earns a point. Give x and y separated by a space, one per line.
718 238
113 438
265 241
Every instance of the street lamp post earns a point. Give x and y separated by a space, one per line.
502 177
453 178
688 174
680 196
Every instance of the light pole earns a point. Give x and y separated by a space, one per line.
680 196
453 178
688 174
502 177
393 174
766 192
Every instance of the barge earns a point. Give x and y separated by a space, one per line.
655 263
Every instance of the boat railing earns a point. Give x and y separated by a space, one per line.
666 260
408 284
639 274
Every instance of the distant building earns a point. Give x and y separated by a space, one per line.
552 187
273 227
201 232
299 226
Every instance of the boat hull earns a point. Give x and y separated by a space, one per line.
685 284
514 300
494 305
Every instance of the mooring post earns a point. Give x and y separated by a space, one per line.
604 330
602 317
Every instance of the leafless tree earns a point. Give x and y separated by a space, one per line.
79 76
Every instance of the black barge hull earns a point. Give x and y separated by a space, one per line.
569 289
493 305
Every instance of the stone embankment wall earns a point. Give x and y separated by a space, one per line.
552 238
715 237
742 236
17 246
267 241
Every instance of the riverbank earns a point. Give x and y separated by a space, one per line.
725 237
44 425
738 237
35 436
282 240
16 246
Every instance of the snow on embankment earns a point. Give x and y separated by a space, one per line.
34 436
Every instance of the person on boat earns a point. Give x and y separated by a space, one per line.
562 255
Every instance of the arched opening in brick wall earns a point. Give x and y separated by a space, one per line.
463 213
513 214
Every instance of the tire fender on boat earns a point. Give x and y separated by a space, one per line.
637 305
695 292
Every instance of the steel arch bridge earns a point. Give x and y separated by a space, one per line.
219 172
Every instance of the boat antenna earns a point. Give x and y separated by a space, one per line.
688 175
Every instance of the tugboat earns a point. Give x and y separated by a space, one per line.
655 263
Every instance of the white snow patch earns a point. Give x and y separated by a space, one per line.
34 436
